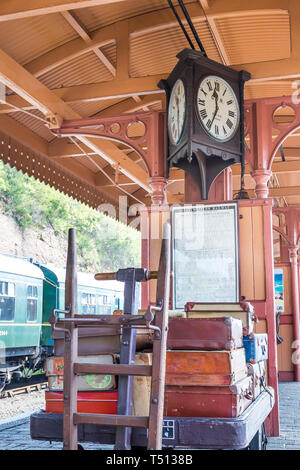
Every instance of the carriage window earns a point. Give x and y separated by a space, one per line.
32 296
103 300
88 303
7 301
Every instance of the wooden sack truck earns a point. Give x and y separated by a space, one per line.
123 429
72 323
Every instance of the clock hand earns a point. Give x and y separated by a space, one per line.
178 112
215 95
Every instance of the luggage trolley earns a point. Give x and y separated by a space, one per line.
123 430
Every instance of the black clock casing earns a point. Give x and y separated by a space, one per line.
197 152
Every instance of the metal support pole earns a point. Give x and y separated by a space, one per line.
293 251
70 433
127 356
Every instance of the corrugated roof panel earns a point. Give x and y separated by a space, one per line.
254 38
88 162
90 108
165 44
36 125
86 68
26 39
96 17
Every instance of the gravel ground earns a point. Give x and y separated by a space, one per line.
21 405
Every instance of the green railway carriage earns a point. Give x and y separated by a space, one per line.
21 292
29 292
94 297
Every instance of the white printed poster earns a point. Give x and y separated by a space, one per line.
205 254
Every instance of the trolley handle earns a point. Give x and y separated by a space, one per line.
105 276
113 276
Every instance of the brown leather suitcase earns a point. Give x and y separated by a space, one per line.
208 402
205 333
92 341
216 368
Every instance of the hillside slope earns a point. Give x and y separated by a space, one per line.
34 222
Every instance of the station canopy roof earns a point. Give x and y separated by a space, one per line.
81 58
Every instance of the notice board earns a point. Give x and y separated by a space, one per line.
205 254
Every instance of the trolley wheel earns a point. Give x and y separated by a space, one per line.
259 441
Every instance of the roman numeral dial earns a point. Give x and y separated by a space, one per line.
218 108
176 112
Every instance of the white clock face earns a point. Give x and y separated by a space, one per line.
218 108
176 112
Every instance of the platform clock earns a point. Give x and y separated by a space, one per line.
205 102
218 108
176 112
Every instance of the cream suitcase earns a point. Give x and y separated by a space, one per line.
142 387
243 311
89 382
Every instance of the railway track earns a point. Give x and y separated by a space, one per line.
24 386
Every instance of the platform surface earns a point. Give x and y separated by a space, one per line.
15 434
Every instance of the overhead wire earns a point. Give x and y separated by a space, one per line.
181 24
242 192
21 110
104 172
213 35
192 27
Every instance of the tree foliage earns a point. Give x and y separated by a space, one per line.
103 243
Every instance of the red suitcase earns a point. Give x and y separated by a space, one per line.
87 402
211 334
208 402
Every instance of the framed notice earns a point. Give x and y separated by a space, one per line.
205 254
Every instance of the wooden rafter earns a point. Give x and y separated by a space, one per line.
215 33
17 9
127 105
83 33
13 74
92 92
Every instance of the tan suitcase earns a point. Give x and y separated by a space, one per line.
142 387
208 368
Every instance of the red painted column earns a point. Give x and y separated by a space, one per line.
272 422
158 185
293 253
261 178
